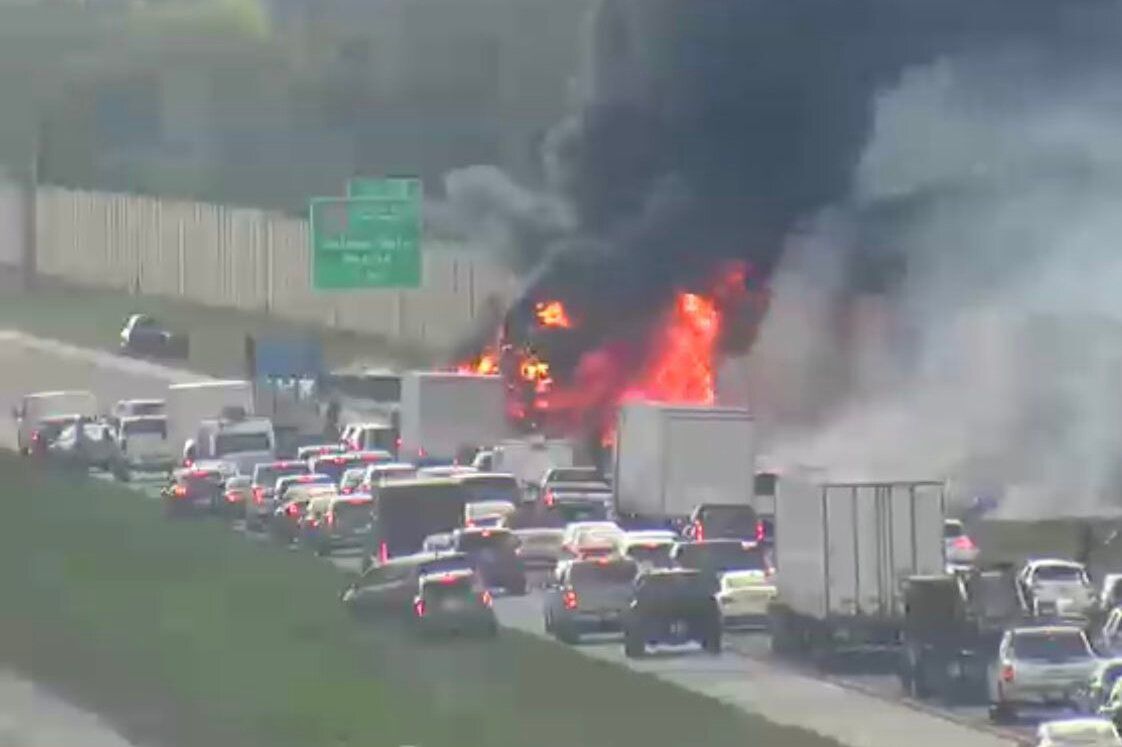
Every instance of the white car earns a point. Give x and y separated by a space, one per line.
650 549
1047 665
580 535
743 598
487 513
1053 586
1078 732
377 475
143 443
960 548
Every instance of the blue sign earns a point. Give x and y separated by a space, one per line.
288 358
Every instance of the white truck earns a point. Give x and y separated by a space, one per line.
237 439
189 404
669 459
528 459
443 413
844 551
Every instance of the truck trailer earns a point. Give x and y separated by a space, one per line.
444 414
844 552
669 459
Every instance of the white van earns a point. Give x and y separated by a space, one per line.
242 441
189 404
143 443
34 407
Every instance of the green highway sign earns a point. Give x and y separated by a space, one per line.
392 187
367 242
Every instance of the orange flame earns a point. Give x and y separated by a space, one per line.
487 363
552 314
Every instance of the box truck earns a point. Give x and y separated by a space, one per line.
188 405
444 414
844 552
669 459
528 459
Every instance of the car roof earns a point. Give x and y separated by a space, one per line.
143 418
485 531
1062 562
142 401
468 476
307 477
1045 629
457 573
666 572
352 498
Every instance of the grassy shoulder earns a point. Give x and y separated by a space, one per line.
182 633
93 317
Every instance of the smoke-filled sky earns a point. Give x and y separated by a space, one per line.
974 143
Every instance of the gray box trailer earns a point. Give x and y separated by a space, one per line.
843 554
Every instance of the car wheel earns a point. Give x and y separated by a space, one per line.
633 647
1002 713
567 635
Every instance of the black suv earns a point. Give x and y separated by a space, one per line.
672 606
494 551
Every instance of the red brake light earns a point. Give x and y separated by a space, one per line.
304 478
179 491
383 552
549 499
35 436
339 460
259 494
347 490
1007 673
448 580
187 462
760 531
486 598
231 496
486 533
330 518
397 442
292 509
962 542
569 599
699 531
469 523
419 607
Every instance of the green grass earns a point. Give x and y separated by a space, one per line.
93 318
183 633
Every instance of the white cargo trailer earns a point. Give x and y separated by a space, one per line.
188 405
671 458
442 413
843 552
528 459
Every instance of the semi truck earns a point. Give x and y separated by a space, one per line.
669 459
845 551
443 415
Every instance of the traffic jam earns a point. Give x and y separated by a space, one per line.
440 508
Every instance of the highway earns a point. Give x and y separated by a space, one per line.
862 711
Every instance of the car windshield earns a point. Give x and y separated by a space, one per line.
151 426
268 475
486 540
574 474
1058 573
240 443
721 556
953 529
609 573
443 588
1051 645
496 488
147 408
673 585
729 521
566 513
351 511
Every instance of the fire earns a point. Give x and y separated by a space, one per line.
486 363
552 314
536 372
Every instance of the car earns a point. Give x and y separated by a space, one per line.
335 522
143 335
369 437
453 601
539 547
87 444
581 537
389 587
37 407
1053 586
720 556
650 549
1078 732
285 484
1101 684
47 430
1044 665
732 521
489 486
142 441
960 549
555 475
743 598
237 491
351 481
589 596
285 526
379 474
671 605
263 489
494 551
336 464
310 451
439 542
193 490
487 513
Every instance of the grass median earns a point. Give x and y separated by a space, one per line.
183 633
93 317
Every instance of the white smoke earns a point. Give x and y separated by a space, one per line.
1000 181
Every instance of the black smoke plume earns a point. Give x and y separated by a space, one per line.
711 128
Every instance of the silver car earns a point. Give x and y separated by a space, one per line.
1039 666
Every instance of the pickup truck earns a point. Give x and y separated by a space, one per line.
1039 666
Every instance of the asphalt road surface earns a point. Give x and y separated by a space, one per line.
863 711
